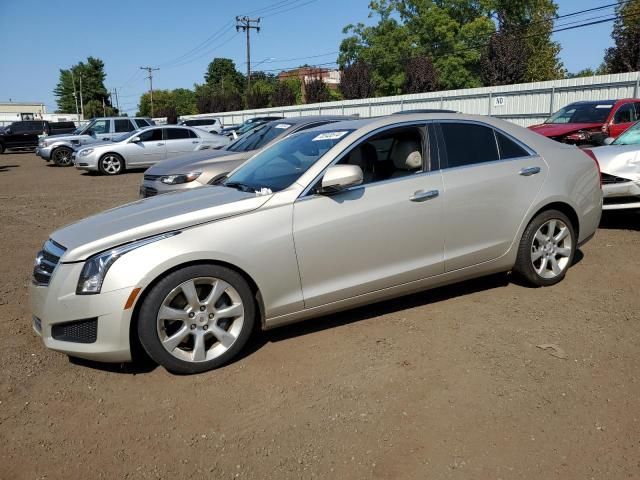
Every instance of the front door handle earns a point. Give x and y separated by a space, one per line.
160 144
527 172
422 196
195 141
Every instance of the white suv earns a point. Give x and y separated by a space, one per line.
211 125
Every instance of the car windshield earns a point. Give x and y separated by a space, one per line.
582 113
258 137
278 166
631 136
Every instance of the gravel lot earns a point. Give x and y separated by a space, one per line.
442 384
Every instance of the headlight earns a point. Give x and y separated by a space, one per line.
180 178
43 143
85 152
97 266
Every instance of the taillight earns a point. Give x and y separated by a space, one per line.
593 156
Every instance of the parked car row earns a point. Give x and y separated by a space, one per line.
328 213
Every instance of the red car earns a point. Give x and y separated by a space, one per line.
590 122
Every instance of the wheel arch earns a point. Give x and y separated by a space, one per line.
565 208
134 342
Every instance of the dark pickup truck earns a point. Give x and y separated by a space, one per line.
24 135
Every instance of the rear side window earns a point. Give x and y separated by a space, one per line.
154 135
509 148
468 144
123 125
192 134
177 133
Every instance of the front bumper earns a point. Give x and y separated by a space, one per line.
621 196
44 152
88 162
58 304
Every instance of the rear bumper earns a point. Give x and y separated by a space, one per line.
621 196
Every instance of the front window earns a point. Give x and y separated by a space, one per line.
630 137
97 126
259 137
582 113
280 165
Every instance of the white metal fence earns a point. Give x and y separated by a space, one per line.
524 104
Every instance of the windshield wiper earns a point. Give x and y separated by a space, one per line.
240 186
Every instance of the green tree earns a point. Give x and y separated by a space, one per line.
420 75
624 56
316 91
260 94
531 21
222 73
182 101
503 62
585 72
95 108
93 89
283 95
356 82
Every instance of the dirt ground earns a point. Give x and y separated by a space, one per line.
442 384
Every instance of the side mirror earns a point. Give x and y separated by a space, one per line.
8 130
609 140
136 139
340 177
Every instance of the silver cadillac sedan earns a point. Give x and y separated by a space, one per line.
323 220
144 147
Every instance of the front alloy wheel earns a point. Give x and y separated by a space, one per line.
546 249
111 164
62 157
197 318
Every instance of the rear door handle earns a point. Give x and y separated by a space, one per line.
422 196
195 141
160 144
527 172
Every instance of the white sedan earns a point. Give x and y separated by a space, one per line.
144 147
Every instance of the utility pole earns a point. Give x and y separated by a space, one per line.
246 24
81 101
150 71
75 96
113 95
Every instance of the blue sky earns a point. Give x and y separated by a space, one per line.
40 37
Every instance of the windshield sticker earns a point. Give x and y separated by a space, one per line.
282 125
604 106
329 136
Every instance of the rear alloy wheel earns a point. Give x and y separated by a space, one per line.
62 157
111 164
197 318
547 249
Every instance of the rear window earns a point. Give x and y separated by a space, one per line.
177 133
582 113
468 144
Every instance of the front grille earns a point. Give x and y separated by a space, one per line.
46 262
147 192
620 200
611 179
78 331
152 178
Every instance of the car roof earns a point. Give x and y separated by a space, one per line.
311 119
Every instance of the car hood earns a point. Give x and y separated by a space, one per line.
558 129
620 160
195 161
152 216
65 137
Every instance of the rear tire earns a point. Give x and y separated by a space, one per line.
197 318
111 164
61 156
2 148
546 250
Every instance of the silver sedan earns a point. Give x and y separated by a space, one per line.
144 147
323 220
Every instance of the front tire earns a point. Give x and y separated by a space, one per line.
547 249
111 164
197 318
2 148
62 157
